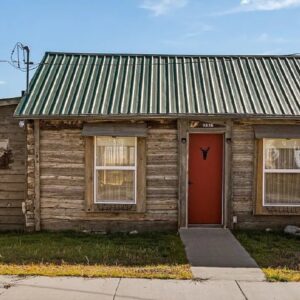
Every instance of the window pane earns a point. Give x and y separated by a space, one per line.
115 186
282 188
282 154
115 151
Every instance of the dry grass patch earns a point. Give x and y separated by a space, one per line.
150 272
279 274
278 254
149 255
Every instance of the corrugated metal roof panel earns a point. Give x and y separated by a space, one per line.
113 85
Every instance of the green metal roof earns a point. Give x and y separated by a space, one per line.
74 84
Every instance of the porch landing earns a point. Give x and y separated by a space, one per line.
214 253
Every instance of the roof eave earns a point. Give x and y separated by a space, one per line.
156 116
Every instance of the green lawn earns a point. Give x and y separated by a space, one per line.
276 253
148 255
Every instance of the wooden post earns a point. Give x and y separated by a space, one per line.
227 211
141 175
89 173
182 126
258 178
37 210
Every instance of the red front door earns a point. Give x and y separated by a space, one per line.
205 179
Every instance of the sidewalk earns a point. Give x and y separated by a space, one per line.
76 288
214 253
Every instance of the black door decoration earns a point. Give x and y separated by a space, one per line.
204 152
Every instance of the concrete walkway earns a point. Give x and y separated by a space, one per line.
214 253
75 288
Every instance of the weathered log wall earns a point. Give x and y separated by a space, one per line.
244 184
62 182
12 174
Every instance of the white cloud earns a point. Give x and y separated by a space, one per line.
260 5
161 7
250 5
266 38
198 30
2 82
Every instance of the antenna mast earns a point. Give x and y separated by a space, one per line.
19 47
27 63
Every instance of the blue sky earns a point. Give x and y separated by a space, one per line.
145 26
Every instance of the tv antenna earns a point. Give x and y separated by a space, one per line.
20 59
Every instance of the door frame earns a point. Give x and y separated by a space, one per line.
184 129
222 132
205 131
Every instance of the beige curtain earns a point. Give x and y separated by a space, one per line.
283 188
119 151
115 185
282 164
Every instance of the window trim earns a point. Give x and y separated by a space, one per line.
274 171
129 168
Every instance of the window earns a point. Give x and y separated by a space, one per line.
281 172
115 170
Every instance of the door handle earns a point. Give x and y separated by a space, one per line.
189 182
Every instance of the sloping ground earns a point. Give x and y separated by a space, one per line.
276 253
149 255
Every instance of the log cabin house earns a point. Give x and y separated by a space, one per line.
120 142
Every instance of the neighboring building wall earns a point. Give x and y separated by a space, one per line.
12 170
244 184
62 182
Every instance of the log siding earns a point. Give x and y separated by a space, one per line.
244 185
12 177
62 183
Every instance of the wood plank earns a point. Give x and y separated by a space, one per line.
11 203
62 165
11 187
64 189
89 173
12 219
62 156
71 181
13 195
37 203
10 211
62 171
14 227
182 161
141 175
259 178
105 225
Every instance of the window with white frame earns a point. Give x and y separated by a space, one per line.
115 170
281 172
